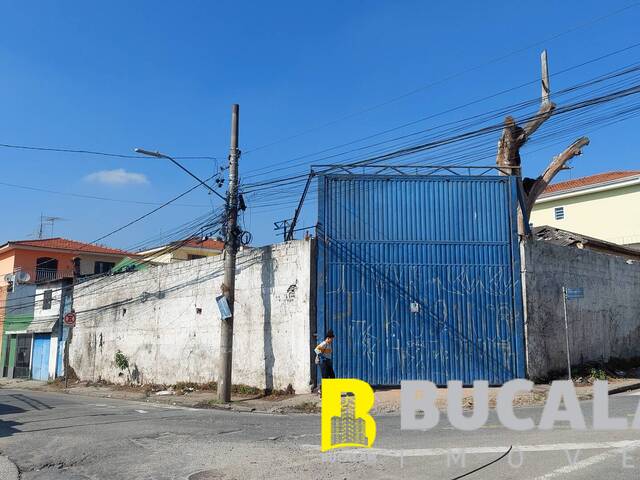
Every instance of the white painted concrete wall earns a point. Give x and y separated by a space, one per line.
53 354
604 324
152 317
42 317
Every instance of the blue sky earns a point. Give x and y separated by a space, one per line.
112 76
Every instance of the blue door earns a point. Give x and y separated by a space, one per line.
40 363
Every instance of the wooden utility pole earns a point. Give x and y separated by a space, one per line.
514 137
230 249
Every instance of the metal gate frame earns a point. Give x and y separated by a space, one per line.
517 310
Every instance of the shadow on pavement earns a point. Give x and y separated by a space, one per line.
16 403
7 428
31 402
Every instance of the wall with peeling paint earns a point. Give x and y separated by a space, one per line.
604 324
166 321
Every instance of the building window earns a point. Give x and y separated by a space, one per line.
76 267
103 267
46 299
558 212
46 269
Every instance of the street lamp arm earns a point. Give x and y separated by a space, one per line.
150 153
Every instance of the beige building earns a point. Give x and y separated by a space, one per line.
605 206
179 251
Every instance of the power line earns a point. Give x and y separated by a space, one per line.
94 197
215 220
441 141
438 114
93 152
151 212
142 151
483 146
142 217
446 79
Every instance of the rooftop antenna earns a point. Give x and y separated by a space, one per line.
47 220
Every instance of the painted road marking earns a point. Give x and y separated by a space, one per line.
142 411
587 462
434 452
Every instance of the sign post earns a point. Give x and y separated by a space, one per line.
70 321
569 294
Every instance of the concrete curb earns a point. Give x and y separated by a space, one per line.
8 470
267 409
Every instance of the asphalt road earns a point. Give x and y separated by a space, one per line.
58 436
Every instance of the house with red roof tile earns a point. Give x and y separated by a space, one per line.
605 206
187 249
36 282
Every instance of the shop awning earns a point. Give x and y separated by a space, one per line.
42 325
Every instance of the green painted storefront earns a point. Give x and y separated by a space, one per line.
9 343
16 344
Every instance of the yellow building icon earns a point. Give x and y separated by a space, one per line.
346 428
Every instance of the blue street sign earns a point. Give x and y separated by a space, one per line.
574 293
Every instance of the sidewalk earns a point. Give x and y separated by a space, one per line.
386 401
8 471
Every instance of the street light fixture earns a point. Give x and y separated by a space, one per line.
150 153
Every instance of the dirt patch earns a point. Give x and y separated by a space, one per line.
586 374
186 387
211 403
304 407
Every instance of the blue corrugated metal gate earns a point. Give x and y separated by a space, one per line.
419 277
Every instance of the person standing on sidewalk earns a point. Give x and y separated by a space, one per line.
323 356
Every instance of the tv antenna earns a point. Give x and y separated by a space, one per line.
46 220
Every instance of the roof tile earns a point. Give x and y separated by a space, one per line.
59 243
208 243
591 180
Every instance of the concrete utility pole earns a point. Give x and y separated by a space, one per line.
230 249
